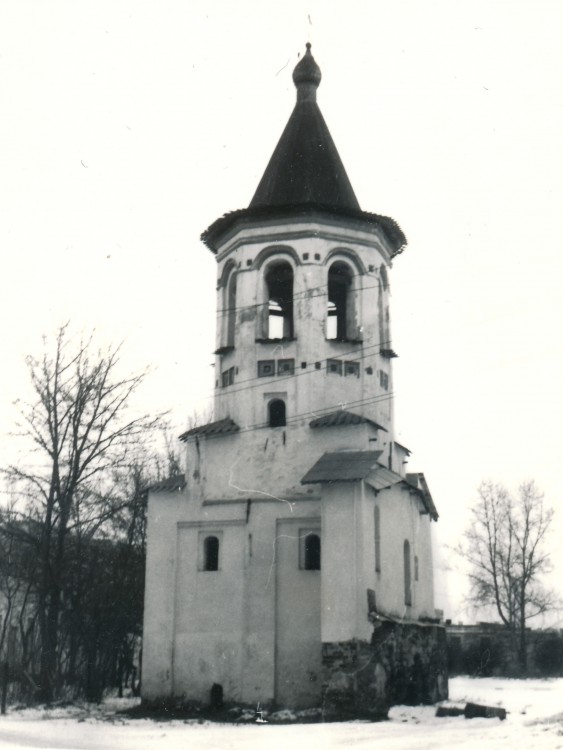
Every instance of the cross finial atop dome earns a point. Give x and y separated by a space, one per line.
307 76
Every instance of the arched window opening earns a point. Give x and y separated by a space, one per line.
211 553
279 286
312 552
377 539
331 321
230 309
276 413
407 572
340 306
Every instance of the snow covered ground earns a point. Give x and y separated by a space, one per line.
535 720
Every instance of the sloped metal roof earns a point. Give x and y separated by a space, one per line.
403 447
342 466
343 417
220 427
171 484
418 480
383 478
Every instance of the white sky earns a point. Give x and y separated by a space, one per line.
128 127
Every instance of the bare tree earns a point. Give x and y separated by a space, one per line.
79 423
504 547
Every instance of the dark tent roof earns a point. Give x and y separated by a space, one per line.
305 171
305 166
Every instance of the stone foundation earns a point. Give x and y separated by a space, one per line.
405 663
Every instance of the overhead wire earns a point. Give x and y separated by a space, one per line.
311 368
222 311
309 413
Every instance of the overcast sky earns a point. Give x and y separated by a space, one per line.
128 127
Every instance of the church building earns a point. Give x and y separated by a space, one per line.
292 565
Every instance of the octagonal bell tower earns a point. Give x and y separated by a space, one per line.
303 292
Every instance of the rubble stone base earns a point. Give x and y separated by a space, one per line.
405 663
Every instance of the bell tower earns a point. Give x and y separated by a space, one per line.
303 292
292 564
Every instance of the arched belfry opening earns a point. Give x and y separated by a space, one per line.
230 307
341 308
279 292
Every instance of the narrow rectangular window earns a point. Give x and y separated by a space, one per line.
377 539
352 368
384 379
228 377
407 572
309 549
286 366
266 368
334 366
210 551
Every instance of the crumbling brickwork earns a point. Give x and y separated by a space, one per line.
405 663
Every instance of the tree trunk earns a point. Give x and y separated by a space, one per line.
522 646
49 637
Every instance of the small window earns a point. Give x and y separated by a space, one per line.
407 573
352 368
286 366
211 553
334 366
276 413
310 550
266 368
415 568
377 539
228 377
383 380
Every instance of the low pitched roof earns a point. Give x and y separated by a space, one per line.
418 481
220 427
171 484
353 466
342 466
343 417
